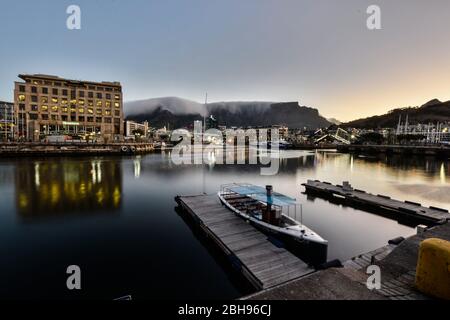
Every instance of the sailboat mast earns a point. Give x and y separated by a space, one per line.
204 112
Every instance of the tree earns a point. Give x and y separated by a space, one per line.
138 134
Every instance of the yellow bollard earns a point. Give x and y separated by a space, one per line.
433 268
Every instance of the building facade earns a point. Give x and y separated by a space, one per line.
47 105
132 127
6 121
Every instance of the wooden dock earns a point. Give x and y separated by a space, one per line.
408 209
264 263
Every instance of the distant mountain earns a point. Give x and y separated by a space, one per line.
177 113
334 121
432 111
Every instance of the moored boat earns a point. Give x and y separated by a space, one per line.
275 214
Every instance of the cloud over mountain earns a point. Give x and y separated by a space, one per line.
177 112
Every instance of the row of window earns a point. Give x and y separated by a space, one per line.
81 102
60 84
72 109
55 117
73 94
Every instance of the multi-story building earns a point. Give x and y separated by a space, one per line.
6 121
132 127
47 105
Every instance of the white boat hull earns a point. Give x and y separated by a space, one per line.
307 242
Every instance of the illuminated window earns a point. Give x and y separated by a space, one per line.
107 112
117 97
64 109
90 110
21 97
73 101
117 104
81 102
99 104
44 99
99 111
44 108
55 108
108 104
64 101
81 110
90 103
55 100
73 110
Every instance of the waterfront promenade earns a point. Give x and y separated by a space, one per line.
23 149
419 150
397 265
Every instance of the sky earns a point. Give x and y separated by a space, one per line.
317 52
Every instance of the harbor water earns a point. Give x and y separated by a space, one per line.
115 218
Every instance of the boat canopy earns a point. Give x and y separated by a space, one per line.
259 193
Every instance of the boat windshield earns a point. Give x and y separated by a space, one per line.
259 193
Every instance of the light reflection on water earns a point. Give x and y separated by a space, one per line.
115 218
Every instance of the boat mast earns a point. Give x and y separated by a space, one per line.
203 136
301 215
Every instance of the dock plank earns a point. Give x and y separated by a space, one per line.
261 261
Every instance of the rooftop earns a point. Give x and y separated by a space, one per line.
52 77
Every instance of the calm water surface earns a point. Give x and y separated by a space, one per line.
116 219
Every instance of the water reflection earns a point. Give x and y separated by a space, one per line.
59 187
148 238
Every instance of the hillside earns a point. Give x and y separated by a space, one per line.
432 111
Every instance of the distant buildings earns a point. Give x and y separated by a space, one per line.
133 129
6 121
47 105
430 133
